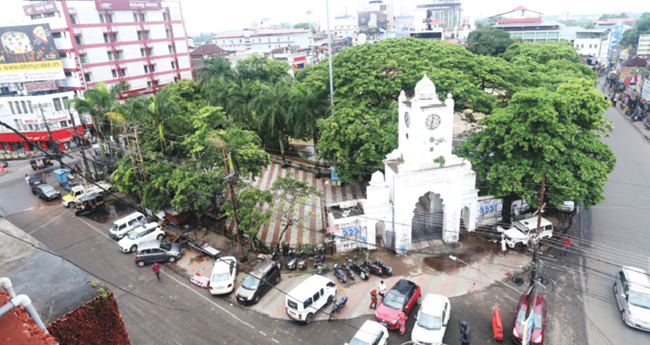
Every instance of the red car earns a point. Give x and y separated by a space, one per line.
403 296
539 320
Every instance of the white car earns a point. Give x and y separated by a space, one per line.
524 230
123 226
222 279
370 333
141 234
432 320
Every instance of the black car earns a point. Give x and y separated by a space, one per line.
47 192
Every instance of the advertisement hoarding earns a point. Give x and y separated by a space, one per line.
372 21
40 8
128 4
645 93
489 211
404 26
28 53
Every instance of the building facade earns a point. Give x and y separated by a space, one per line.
592 42
263 40
375 20
142 42
527 25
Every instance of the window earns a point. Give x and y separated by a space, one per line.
106 38
114 72
64 124
143 52
140 35
46 15
65 102
67 74
43 126
69 122
153 68
56 35
17 124
146 69
115 37
63 55
36 16
18 107
171 49
144 17
150 51
11 105
110 56
79 40
123 71
168 33
148 84
119 55
73 19
173 65
156 82
165 16
88 77
31 128
83 58
29 104
307 303
102 19
57 104
135 17
24 106
316 296
110 18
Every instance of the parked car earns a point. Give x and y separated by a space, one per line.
141 234
632 292
524 230
539 320
258 282
222 279
88 203
370 333
157 251
125 225
34 183
306 299
432 319
47 192
403 296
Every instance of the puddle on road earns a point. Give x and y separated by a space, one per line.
113 209
445 264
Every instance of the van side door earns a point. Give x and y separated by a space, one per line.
318 301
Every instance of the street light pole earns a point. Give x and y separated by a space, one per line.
311 34
81 146
329 52
40 107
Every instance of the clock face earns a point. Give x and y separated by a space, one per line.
407 119
432 122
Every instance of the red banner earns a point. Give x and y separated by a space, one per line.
138 92
128 4
40 8
41 86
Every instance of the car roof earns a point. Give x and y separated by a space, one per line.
403 286
222 265
531 223
146 226
128 218
150 244
262 268
368 331
638 277
433 304
306 289
89 196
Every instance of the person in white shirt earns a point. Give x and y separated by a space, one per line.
382 290
26 178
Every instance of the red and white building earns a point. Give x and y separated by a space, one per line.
143 42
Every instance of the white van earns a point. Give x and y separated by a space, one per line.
309 297
524 230
124 226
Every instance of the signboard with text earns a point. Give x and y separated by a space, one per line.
41 86
372 21
28 53
404 26
40 8
128 4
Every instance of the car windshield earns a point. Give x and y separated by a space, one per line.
165 245
219 277
394 300
114 227
48 189
250 283
356 341
537 319
640 299
432 323
135 235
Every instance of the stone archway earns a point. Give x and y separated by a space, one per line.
428 218
464 218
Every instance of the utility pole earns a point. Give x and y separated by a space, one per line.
533 275
232 201
128 143
37 159
83 151
40 107
311 34
144 172
329 52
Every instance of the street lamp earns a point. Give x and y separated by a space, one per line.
311 34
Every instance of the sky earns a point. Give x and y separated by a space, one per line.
231 15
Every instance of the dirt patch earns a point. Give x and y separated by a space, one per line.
443 263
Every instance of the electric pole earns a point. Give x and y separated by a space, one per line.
533 275
40 107
329 52
144 172
311 34
232 201
128 143
83 152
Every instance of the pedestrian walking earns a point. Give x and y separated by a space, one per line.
465 337
567 244
402 322
156 268
373 299
382 290
27 178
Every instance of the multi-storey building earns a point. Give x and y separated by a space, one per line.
375 19
616 27
592 42
447 14
345 26
527 25
263 40
142 42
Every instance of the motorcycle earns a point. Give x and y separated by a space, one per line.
302 263
339 274
372 268
361 270
321 270
320 257
338 305
276 257
385 269
347 269
292 259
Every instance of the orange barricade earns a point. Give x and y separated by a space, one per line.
497 327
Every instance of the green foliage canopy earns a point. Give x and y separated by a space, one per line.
489 41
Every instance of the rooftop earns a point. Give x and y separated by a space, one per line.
207 49
261 32
17 327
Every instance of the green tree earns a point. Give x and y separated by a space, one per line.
274 113
217 67
164 111
589 25
240 107
641 27
292 192
489 41
559 131
262 69
250 217
305 26
307 109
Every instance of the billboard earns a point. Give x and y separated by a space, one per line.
489 211
28 53
128 4
40 8
372 21
404 25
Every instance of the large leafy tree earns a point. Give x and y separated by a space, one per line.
274 113
307 109
262 69
164 111
558 131
489 41
212 68
641 26
292 192
249 206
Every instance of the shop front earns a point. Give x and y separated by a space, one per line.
13 146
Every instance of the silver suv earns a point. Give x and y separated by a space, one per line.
632 292
157 251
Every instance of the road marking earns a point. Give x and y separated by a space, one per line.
93 227
277 342
209 300
264 334
50 221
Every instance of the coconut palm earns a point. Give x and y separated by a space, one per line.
214 68
273 109
241 96
164 110
306 109
100 103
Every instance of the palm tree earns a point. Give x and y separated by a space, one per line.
306 109
241 96
214 68
274 111
163 110
219 92
100 103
